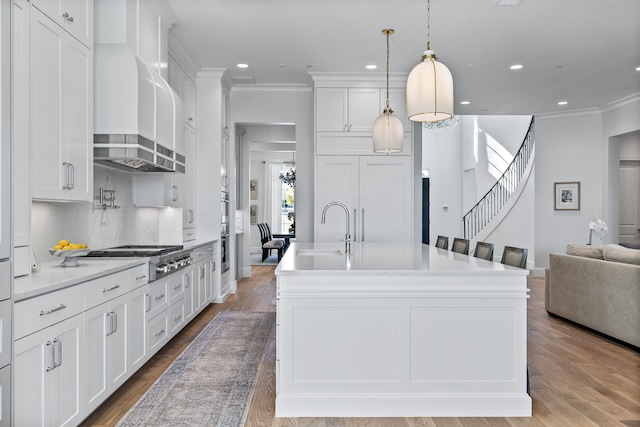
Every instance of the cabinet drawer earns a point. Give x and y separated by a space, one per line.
37 313
158 332
105 289
139 276
188 234
176 288
177 317
5 333
158 297
202 252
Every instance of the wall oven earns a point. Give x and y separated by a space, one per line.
224 232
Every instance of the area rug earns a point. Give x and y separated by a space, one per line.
211 383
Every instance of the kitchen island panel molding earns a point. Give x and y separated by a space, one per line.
399 331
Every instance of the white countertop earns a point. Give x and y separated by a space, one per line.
192 244
385 258
53 277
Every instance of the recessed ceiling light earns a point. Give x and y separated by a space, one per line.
243 65
371 67
516 67
563 102
637 68
465 102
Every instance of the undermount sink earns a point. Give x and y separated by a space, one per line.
318 252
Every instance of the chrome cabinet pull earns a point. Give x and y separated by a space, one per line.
67 180
174 193
355 225
68 17
363 224
53 310
160 332
177 319
175 288
140 277
113 288
52 366
72 169
109 324
148 303
57 343
188 281
159 297
115 322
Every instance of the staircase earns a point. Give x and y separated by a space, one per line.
490 206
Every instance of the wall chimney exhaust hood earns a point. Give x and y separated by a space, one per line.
137 116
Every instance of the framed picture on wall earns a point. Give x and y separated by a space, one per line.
253 189
253 214
567 196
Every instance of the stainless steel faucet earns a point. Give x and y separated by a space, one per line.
347 235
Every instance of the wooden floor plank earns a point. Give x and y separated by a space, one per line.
578 377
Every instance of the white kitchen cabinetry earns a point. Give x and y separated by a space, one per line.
189 184
48 369
106 366
187 282
157 315
347 109
157 189
345 117
377 191
21 155
75 16
137 350
226 112
224 162
188 88
61 113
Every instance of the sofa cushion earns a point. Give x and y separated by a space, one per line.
586 251
617 253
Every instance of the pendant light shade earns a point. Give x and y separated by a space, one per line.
388 131
429 86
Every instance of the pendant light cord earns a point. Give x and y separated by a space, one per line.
428 24
387 69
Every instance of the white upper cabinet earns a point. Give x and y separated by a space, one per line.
61 110
75 16
189 100
346 109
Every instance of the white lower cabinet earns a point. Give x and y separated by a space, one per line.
177 317
187 282
137 347
106 366
5 399
48 371
158 332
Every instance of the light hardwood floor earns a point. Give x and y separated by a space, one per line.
578 378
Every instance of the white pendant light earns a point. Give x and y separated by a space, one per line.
429 86
388 132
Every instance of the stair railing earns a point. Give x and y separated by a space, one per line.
490 204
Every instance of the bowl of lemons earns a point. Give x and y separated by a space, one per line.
70 252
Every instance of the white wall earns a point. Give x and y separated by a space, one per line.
579 147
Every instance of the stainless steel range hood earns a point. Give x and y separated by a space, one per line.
137 116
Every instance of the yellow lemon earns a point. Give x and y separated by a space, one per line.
63 243
57 247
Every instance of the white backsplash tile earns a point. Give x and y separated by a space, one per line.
101 228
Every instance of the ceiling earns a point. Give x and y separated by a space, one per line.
584 52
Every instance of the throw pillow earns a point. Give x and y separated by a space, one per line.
617 253
586 251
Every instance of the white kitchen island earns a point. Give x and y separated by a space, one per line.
397 330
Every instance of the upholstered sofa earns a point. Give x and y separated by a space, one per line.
597 287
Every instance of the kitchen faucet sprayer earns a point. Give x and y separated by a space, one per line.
347 235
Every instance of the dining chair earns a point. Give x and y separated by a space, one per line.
442 242
515 257
460 245
269 243
484 250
